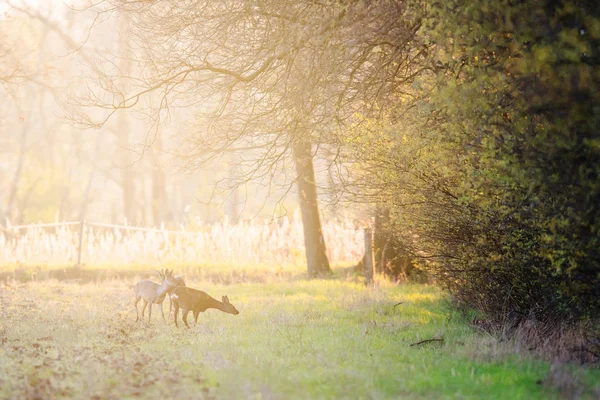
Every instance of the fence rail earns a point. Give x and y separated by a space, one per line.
40 225
247 243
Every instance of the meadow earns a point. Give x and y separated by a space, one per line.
319 339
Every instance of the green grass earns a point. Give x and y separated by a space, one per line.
318 339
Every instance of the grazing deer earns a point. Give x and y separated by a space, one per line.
180 283
197 301
153 293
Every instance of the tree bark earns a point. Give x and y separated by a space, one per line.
88 188
391 257
369 260
127 181
159 183
379 238
232 201
14 187
123 133
314 242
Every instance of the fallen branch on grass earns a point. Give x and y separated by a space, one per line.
427 341
397 304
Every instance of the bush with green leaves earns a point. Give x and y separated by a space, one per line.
492 174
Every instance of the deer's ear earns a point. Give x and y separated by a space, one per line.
225 299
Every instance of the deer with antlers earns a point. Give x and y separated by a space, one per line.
154 293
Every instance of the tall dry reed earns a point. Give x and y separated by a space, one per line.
245 243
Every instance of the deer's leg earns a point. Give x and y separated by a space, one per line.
137 313
196 313
149 311
144 308
175 312
170 306
162 313
184 317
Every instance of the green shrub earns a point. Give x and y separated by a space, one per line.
492 175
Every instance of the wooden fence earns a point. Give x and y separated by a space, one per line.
244 243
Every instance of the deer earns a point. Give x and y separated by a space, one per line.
197 301
180 283
153 293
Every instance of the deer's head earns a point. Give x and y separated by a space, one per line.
168 279
228 307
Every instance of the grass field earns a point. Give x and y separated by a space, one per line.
304 339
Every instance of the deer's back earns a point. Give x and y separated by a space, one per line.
192 298
180 281
146 289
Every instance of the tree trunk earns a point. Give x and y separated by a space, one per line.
127 182
316 256
382 247
88 187
64 197
159 182
14 187
123 132
391 257
369 260
232 201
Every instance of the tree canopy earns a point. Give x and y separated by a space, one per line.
474 125
492 175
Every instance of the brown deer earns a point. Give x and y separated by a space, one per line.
153 293
180 283
197 301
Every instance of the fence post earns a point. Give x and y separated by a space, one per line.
80 248
368 256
